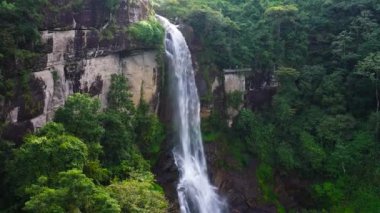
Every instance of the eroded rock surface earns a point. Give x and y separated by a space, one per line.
83 45
239 186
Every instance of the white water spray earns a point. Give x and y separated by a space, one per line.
195 192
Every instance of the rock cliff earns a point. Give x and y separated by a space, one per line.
84 43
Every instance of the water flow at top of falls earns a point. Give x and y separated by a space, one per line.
195 192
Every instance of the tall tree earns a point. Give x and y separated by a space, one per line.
71 191
370 67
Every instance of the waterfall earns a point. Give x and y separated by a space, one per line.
195 192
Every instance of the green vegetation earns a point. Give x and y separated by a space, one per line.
150 197
265 178
111 4
235 99
69 164
71 191
19 22
323 123
35 154
150 132
148 32
322 126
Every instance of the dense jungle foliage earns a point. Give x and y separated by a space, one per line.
323 123
87 160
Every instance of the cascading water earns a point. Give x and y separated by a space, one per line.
195 192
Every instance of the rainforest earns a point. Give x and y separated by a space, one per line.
191 106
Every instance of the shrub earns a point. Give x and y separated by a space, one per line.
235 99
139 195
148 31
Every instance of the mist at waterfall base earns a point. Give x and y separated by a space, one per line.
195 192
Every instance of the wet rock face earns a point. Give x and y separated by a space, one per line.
239 184
239 187
257 99
260 90
167 176
294 192
83 43
96 87
31 102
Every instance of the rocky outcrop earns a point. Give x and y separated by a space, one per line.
239 186
167 176
84 43
257 89
260 89
234 82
